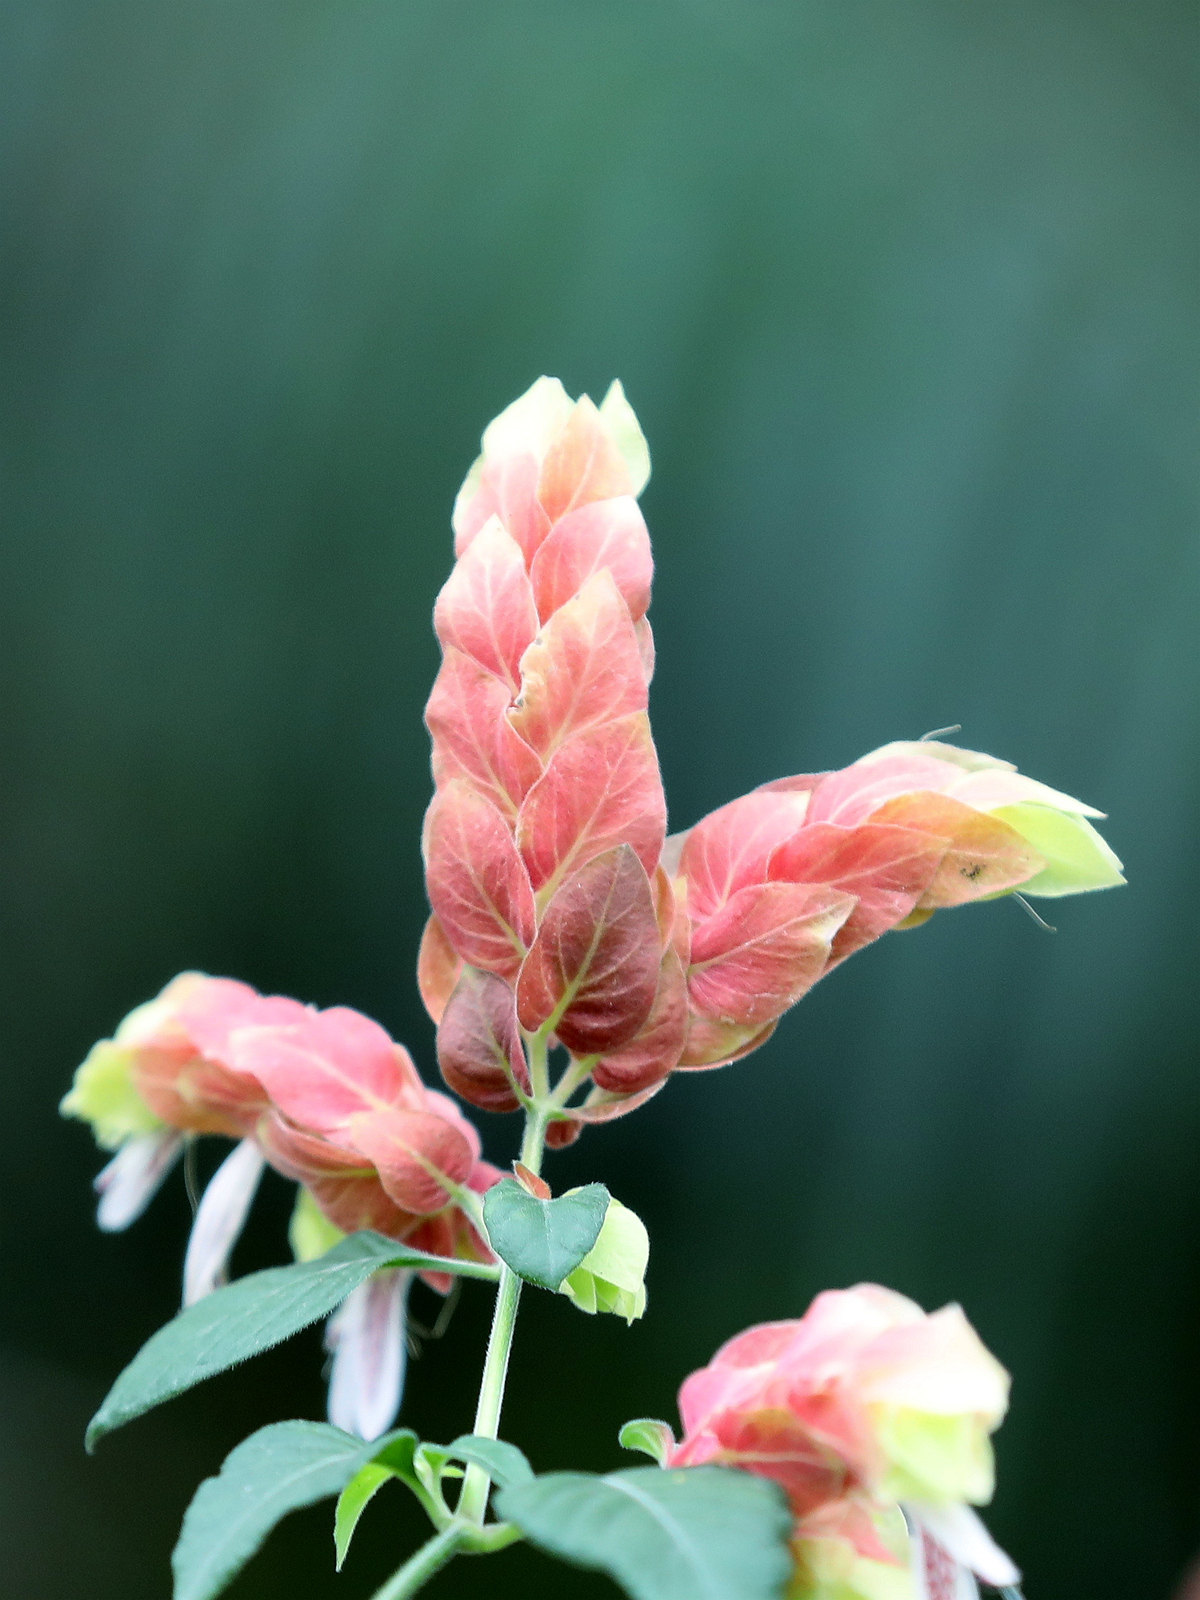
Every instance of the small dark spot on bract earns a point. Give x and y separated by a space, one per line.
974 871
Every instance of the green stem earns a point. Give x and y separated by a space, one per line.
418 1569
473 1501
571 1079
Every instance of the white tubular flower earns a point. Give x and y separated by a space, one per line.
132 1178
367 1338
220 1218
953 1534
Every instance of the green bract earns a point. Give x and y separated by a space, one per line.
1077 858
543 1240
310 1232
103 1094
934 1457
609 1278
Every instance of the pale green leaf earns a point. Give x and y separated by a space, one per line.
277 1470
653 1438
693 1533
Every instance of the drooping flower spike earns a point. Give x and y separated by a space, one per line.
786 882
864 1404
327 1098
167 1073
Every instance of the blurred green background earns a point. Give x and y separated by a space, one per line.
905 297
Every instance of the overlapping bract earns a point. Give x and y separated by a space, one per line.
554 909
861 1407
543 838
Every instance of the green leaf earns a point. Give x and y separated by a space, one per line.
402 1457
277 1470
503 1463
249 1316
543 1240
693 1533
353 1501
653 1438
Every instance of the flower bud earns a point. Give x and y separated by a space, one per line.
1065 853
611 1276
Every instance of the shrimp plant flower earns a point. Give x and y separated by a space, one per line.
575 958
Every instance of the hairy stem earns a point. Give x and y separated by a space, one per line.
473 1501
418 1569
571 1079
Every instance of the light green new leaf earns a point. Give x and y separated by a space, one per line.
693 1533
653 1438
397 1456
422 1467
503 1463
249 1316
277 1470
353 1501
543 1240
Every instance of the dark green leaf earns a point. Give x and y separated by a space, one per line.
693 1533
277 1470
503 1463
543 1240
251 1315
653 1438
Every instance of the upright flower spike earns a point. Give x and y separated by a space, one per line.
865 1399
543 838
904 831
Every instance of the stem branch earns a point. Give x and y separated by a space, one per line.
418 1569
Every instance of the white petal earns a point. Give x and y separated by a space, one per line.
958 1530
131 1179
936 1574
220 1218
369 1355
